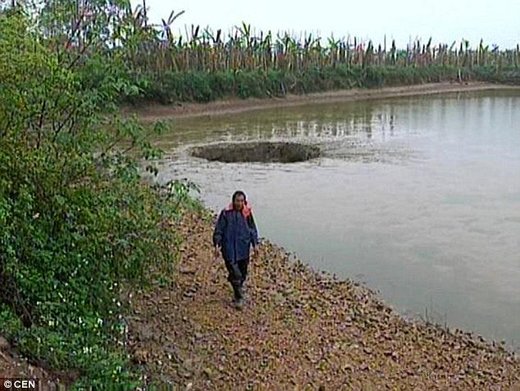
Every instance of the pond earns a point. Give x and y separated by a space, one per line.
419 198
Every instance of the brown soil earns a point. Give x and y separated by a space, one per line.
15 367
155 112
300 330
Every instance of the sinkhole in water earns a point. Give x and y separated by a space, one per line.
264 152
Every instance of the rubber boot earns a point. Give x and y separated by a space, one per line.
238 297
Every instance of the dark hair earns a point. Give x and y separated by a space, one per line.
238 193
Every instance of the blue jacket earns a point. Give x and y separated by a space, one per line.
235 232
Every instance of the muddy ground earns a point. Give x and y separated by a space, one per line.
154 112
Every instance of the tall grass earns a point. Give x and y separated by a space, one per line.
202 64
156 48
245 49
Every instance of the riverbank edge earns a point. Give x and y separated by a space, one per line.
208 217
154 112
203 327
171 327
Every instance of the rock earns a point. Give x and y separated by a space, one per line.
145 333
186 374
279 299
4 345
188 365
140 356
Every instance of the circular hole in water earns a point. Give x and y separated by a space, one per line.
264 152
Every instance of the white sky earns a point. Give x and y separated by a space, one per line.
496 21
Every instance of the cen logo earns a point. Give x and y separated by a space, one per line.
19 384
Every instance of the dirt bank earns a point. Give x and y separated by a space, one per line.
156 112
300 330
13 366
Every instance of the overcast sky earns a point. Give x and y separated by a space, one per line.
496 21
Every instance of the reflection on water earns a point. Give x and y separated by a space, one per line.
354 121
419 197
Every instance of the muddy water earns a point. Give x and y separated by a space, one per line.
417 197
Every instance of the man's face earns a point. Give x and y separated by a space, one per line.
239 202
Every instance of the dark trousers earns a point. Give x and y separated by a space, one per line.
237 274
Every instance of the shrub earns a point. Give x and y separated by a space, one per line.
77 225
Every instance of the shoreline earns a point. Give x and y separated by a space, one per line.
154 112
301 329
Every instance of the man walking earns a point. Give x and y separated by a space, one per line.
235 236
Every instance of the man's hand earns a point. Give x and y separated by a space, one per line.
254 253
217 252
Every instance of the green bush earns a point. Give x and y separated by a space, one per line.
202 87
77 225
222 85
250 84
